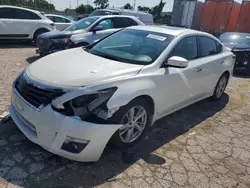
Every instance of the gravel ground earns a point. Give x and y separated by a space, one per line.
204 145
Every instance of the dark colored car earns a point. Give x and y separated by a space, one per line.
83 32
240 45
81 16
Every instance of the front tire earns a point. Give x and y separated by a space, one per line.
220 87
37 33
136 118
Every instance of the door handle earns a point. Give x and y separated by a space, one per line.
199 69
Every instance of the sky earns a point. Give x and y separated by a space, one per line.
62 4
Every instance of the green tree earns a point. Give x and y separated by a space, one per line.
101 3
81 9
128 6
30 3
89 9
84 9
157 10
146 9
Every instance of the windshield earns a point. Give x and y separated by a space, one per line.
100 13
82 24
132 46
235 38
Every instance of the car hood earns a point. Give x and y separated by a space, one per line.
237 46
76 67
60 34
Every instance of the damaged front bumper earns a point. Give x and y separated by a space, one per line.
56 132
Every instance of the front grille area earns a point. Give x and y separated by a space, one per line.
43 43
34 94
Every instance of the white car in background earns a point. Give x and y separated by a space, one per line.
22 23
74 102
61 22
145 17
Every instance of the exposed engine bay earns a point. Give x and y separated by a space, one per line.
242 64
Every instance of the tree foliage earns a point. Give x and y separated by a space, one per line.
84 9
146 9
43 4
101 3
128 6
156 12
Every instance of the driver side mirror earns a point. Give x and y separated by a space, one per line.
176 61
97 28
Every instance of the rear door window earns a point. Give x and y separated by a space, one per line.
124 22
219 47
106 24
207 46
186 48
6 13
25 15
51 18
60 20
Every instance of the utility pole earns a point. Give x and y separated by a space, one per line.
77 3
69 4
134 4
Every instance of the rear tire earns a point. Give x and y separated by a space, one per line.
220 87
132 130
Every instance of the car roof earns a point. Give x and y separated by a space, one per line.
8 6
115 16
166 29
124 10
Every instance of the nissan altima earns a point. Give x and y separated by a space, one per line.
75 102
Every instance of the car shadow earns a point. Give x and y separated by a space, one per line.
241 76
59 172
16 44
32 59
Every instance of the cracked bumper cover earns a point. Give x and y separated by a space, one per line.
49 129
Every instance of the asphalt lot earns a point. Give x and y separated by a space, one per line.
204 145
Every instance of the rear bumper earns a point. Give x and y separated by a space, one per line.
50 129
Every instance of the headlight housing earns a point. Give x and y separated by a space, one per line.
83 106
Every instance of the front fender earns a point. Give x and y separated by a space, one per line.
76 39
129 90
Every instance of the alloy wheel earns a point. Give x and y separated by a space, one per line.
221 87
134 123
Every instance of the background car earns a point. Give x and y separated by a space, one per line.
240 45
83 32
81 16
74 102
61 22
146 18
22 23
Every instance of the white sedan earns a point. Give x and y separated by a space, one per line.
73 103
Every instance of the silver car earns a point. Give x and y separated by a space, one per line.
83 32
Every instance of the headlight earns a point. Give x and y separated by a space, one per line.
84 105
64 40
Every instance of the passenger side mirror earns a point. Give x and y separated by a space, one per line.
97 28
176 61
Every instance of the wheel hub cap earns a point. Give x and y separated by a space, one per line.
221 87
134 122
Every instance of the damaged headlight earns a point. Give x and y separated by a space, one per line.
85 105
